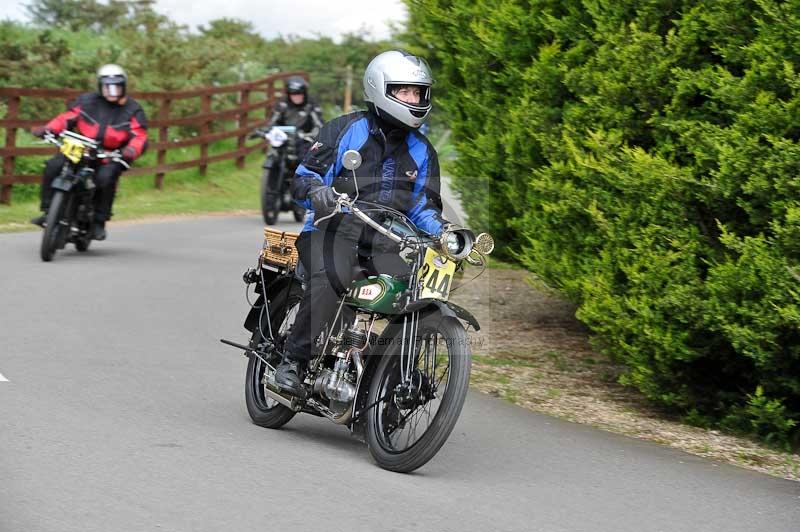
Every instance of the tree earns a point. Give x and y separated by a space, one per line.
79 14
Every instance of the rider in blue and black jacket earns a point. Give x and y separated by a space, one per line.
399 169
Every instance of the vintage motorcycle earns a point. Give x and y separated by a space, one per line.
279 167
401 390
71 212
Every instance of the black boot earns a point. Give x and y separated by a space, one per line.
40 220
99 230
289 377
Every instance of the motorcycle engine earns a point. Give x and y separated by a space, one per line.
338 384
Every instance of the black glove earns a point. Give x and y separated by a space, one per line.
323 199
39 131
129 153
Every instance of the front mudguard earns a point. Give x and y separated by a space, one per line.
272 160
61 183
273 179
445 307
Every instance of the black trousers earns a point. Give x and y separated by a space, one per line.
106 178
331 257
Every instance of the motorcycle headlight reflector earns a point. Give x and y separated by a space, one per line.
456 244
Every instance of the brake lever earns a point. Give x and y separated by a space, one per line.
342 200
50 138
114 156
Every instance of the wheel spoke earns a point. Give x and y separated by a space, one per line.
403 419
409 423
407 429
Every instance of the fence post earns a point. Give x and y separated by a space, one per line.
243 102
348 89
11 142
163 138
205 129
270 94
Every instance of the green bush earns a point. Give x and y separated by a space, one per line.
764 417
643 158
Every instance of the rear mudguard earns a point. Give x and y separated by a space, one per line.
277 286
427 309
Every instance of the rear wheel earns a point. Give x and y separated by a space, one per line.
263 410
55 232
413 416
270 198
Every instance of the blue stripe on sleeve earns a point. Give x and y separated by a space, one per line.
426 219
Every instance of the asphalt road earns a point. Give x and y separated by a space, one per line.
121 411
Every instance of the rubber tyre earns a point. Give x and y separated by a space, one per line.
53 231
270 201
82 244
266 412
460 360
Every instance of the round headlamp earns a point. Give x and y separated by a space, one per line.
456 244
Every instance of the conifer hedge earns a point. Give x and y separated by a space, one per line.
643 158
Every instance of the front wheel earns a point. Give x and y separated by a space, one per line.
270 198
54 232
413 417
82 242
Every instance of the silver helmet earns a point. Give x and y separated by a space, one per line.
113 76
388 71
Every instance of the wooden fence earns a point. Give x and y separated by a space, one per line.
158 126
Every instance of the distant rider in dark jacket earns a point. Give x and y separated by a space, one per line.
113 118
300 111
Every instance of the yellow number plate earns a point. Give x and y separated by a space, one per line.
72 150
436 276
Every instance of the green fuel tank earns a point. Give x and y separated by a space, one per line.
377 293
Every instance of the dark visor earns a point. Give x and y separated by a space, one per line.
112 80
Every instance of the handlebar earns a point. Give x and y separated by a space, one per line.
455 243
261 133
100 153
343 201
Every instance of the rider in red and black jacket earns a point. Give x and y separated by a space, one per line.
111 117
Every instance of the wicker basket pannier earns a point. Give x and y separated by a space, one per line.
279 248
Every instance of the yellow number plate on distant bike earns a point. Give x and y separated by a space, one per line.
72 150
436 276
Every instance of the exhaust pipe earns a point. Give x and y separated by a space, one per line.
288 403
343 419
